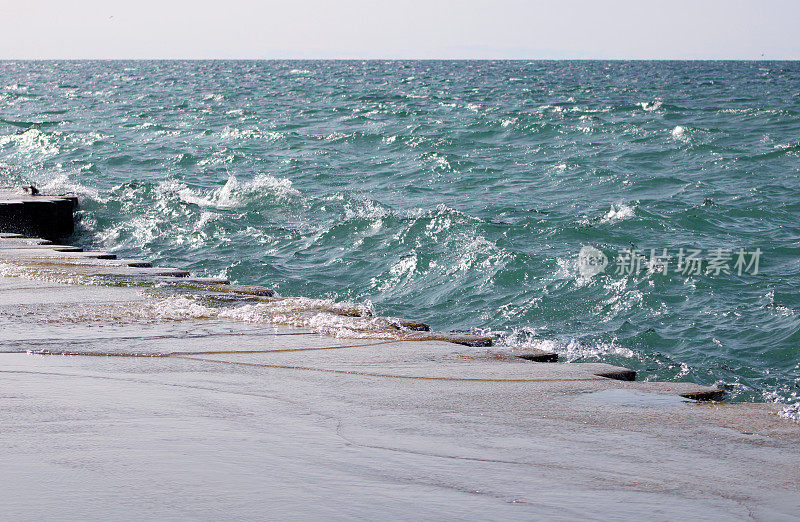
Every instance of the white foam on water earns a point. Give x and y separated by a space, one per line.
292 311
789 401
15 87
791 412
443 210
61 184
570 350
650 106
169 218
574 350
324 316
746 110
230 132
166 218
251 134
620 300
234 193
479 252
618 212
792 149
218 157
336 136
441 217
680 132
363 208
31 141
402 269
205 218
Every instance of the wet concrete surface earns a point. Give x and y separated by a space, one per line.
240 419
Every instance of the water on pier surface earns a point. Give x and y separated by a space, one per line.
457 193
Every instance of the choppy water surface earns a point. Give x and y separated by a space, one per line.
458 193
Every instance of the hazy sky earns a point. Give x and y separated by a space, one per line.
711 29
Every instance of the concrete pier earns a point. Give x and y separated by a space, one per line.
135 391
36 215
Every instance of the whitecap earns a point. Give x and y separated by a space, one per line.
403 268
234 133
679 132
617 213
231 132
234 193
279 186
650 106
439 161
61 184
32 141
363 208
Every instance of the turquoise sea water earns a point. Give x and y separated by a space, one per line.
458 193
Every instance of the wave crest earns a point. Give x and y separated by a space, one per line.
234 193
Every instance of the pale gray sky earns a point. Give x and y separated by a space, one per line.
712 29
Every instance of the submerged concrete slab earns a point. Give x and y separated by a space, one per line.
36 252
60 265
44 246
529 354
17 242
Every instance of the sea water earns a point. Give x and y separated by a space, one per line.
459 193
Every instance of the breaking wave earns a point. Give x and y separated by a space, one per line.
457 195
